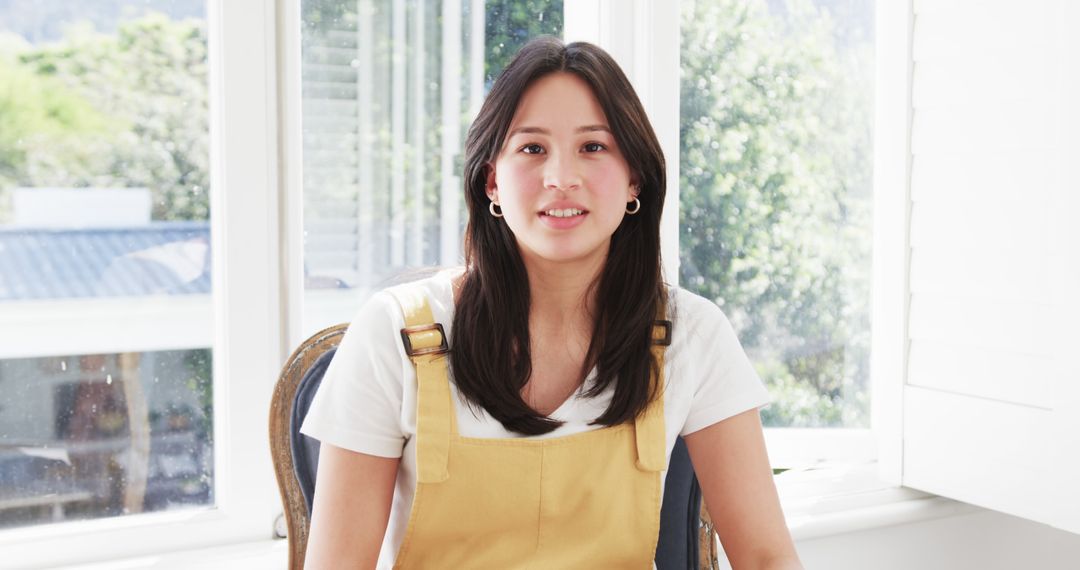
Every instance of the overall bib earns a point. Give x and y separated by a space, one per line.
589 500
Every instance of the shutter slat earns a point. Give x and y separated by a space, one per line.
983 372
1020 327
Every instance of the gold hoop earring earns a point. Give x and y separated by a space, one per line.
491 209
637 207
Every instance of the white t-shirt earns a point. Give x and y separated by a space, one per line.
367 400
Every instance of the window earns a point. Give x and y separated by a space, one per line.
207 327
776 193
389 90
106 398
406 74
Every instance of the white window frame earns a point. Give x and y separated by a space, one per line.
892 245
249 339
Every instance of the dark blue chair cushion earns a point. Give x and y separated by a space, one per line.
305 450
676 548
680 515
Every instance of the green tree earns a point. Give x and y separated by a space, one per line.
774 198
38 113
137 102
510 24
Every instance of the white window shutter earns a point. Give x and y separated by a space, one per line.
991 398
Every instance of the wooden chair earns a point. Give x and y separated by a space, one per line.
283 432
686 533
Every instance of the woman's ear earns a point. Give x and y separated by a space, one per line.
489 186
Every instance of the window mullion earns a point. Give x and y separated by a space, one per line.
891 255
291 195
247 268
643 37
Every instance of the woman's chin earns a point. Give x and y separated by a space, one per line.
570 255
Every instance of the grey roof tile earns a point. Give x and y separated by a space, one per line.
170 258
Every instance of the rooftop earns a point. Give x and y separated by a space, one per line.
159 258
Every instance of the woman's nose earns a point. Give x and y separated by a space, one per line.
561 172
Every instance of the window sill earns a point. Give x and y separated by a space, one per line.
837 499
817 501
257 555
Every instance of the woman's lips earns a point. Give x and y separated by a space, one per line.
562 223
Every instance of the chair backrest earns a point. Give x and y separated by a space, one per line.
298 380
305 450
685 542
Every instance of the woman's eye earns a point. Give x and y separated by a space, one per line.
594 147
532 149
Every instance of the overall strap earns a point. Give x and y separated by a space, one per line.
426 344
650 431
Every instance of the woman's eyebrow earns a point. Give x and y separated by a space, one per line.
592 128
543 131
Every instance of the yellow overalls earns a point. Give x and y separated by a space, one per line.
589 500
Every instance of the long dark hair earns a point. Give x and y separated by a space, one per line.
491 353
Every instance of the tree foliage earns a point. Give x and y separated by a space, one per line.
510 24
38 113
774 190
123 110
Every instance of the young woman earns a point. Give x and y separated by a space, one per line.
540 438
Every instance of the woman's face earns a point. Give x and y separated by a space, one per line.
560 179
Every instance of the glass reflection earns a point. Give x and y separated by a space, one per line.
104 435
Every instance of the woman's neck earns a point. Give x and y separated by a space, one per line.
562 293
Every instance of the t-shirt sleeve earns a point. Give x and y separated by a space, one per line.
358 405
726 382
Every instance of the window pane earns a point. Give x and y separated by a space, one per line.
389 89
775 192
106 401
